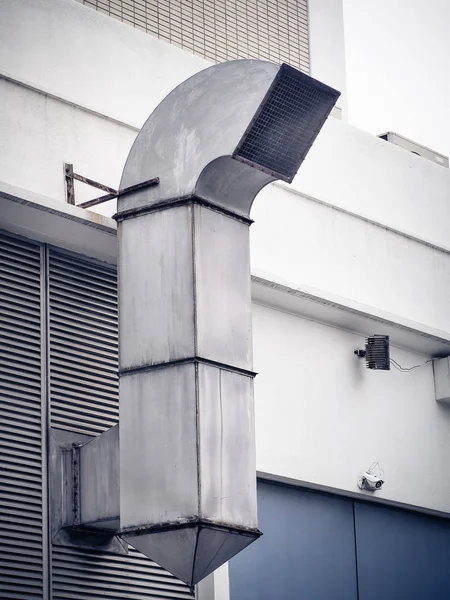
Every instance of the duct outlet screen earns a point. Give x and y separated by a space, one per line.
286 123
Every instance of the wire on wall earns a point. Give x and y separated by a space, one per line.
405 369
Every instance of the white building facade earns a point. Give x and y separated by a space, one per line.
357 245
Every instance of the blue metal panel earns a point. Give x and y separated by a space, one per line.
401 555
307 550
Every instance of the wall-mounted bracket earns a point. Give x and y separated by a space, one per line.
84 490
71 177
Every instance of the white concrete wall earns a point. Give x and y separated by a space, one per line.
127 61
38 134
305 242
316 406
69 49
72 51
361 173
327 47
322 418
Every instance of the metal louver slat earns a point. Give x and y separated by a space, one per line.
73 282
132 576
20 488
10 412
21 539
83 339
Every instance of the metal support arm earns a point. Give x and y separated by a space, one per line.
71 177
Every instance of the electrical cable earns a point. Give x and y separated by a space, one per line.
403 369
375 466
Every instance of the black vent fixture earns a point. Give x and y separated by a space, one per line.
377 353
286 123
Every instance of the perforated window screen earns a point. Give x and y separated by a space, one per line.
220 30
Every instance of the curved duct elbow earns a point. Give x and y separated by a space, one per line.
225 133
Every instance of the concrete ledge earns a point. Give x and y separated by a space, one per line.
85 232
347 314
354 495
53 222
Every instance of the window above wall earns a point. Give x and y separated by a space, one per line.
221 30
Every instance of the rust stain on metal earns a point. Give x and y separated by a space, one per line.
71 177
139 186
116 193
188 522
94 183
70 189
96 201
76 483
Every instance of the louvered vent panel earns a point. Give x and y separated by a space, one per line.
275 30
84 398
94 575
83 344
21 557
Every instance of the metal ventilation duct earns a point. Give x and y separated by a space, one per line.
198 138
187 448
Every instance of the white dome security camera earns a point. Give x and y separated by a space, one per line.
372 479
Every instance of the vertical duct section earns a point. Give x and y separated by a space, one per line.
188 484
187 443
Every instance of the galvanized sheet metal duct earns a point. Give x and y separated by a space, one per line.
187 452
186 418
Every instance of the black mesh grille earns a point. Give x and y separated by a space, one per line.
286 124
377 352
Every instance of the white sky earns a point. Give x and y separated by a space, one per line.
398 68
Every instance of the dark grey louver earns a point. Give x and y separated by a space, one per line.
21 525
377 353
82 344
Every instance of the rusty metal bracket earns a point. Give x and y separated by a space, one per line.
71 177
70 189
